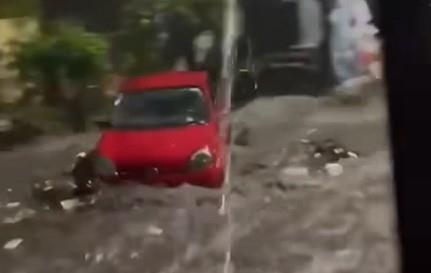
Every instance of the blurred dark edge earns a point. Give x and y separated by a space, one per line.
406 27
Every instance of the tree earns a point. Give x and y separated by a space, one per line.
141 44
136 44
62 63
67 53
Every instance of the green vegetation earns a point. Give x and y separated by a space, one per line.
64 64
139 44
68 55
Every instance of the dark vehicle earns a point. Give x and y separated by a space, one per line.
285 46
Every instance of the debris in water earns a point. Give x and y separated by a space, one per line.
336 151
12 205
48 188
294 172
99 258
154 231
334 169
70 204
47 185
12 244
305 141
21 215
352 154
267 199
54 193
87 256
134 255
311 131
321 153
81 155
9 190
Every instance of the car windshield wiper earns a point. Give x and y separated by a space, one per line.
159 125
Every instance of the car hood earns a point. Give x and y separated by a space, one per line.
156 148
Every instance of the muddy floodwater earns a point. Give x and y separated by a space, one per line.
339 223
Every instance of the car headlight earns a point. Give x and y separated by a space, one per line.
103 166
201 159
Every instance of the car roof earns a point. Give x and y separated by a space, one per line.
170 79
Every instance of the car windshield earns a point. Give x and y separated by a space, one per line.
159 108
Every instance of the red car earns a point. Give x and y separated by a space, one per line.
165 130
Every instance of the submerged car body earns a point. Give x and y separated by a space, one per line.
165 131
